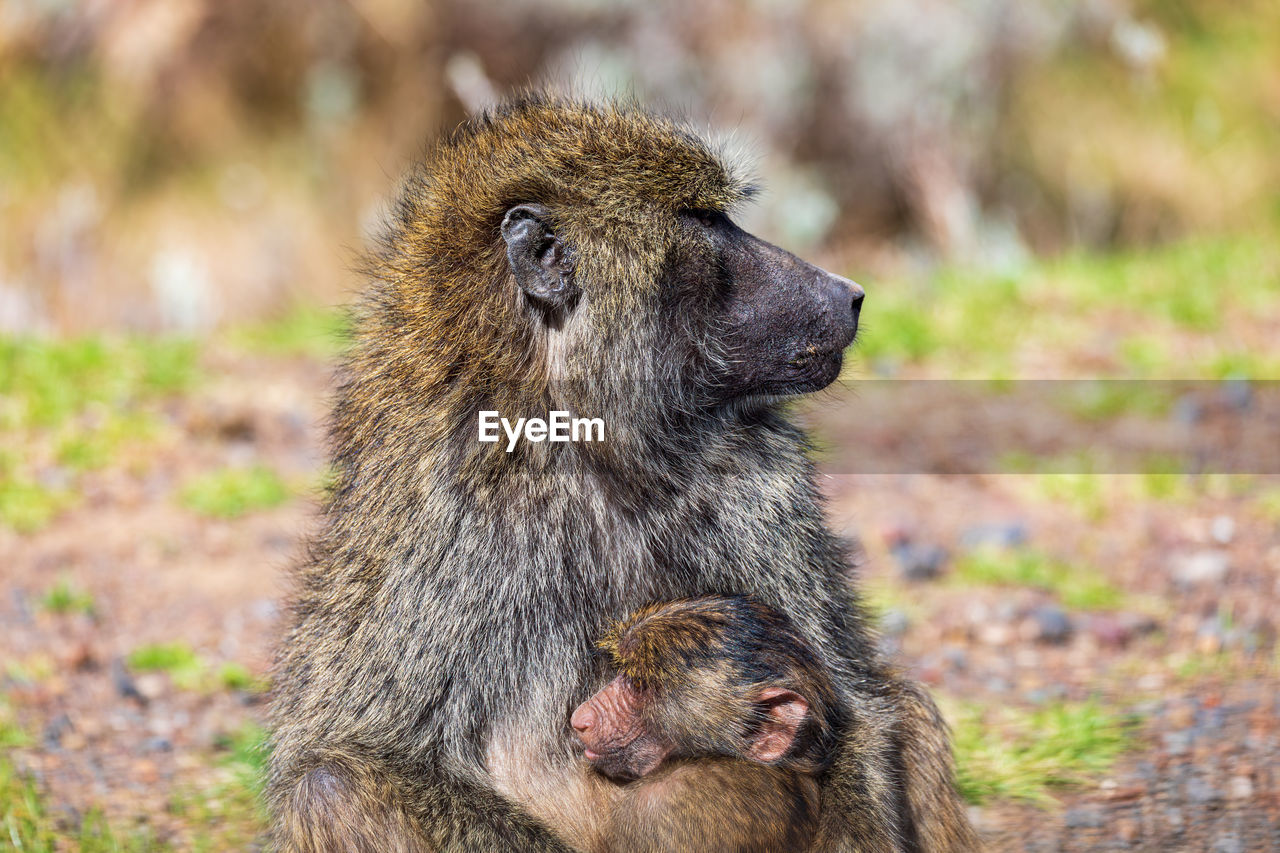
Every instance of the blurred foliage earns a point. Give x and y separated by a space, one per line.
27 824
68 406
203 162
67 597
228 813
1176 311
233 492
45 383
177 659
308 331
190 671
1076 586
1005 753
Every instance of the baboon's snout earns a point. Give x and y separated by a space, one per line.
843 299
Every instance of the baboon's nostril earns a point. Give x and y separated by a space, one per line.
583 718
858 295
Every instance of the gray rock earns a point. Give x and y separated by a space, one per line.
158 744
956 657
1001 535
1052 625
1201 792
1228 842
124 682
894 623
1238 394
1177 743
1199 568
919 561
1222 529
1187 410
1084 817
53 732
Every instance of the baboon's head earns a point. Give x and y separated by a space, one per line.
716 675
586 256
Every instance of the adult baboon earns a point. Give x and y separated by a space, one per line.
557 256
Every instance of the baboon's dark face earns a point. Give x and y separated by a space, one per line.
746 318
782 324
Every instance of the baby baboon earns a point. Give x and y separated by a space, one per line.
725 718
553 256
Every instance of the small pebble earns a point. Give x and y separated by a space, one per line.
1187 410
1228 842
956 657
919 561
1200 791
995 635
157 744
152 684
894 623
56 729
1001 535
1177 743
1240 788
124 682
1084 817
1238 394
1199 568
1108 631
1223 529
1052 625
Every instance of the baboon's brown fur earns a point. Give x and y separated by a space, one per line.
724 718
443 622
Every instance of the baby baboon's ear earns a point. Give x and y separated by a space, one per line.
783 713
540 260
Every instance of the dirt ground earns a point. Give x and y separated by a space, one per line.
1188 649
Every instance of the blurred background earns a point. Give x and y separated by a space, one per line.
1043 189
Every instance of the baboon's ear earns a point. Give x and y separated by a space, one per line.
542 263
783 712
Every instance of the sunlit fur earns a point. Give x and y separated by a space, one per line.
706 659
443 622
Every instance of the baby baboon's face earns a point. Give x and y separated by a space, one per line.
614 737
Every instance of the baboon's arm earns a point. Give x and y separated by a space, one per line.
892 786
860 799
468 818
936 813
349 806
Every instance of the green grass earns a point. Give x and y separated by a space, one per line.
1007 754
27 506
1268 503
308 331
187 669
233 492
967 323
45 383
1077 586
84 399
66 597
27 823
190 671
236 676
247 752
227 814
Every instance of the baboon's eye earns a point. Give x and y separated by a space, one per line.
707 218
